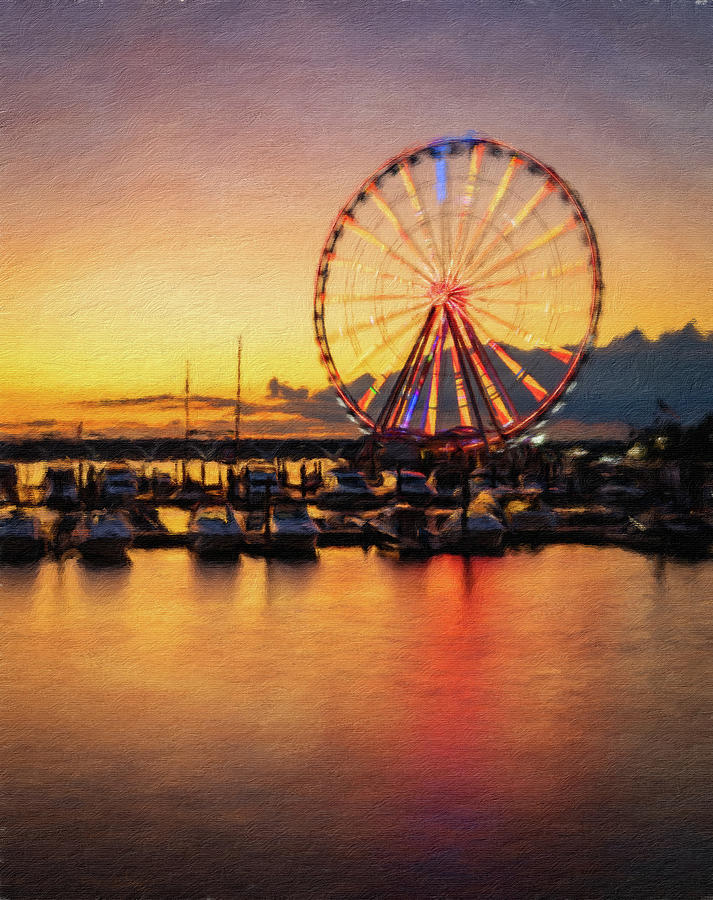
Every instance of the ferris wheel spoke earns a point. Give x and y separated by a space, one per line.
423 380
500 191
371 392
404 374
360 267
365 298
521 374
575 268
415 394
519 301
496 392
377 321
545 190
535 244
395 338
441 161
422 219
560 353
476 160
367 235
398 226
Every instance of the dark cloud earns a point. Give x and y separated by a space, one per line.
167 401
129 401
280 390
35 423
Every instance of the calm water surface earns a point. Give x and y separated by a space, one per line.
538 724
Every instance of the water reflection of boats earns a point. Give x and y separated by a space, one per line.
215 532
60 489
102 535
21 537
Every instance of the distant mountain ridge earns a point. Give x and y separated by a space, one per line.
624 380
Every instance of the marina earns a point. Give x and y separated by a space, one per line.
544 496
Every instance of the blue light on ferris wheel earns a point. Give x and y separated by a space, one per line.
441 187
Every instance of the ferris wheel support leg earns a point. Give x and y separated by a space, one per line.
409 383
413 392
467 366
395 393
487 365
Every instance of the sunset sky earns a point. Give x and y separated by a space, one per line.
171 169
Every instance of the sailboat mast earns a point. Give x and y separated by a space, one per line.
237 396
187 397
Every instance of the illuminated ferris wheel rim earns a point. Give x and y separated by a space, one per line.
441 284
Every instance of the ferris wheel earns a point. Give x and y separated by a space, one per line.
457 293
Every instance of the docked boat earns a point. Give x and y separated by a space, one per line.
413 488
595 523
21 537
621 492
190 494
103 536
446 481
291 529
668 531
347 490
161 485
403 529
339 529
256 484
530 519
215 532
60 489
118 485
479 530
8 484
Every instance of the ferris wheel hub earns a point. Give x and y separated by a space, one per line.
448 291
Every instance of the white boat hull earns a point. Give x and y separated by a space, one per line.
484 534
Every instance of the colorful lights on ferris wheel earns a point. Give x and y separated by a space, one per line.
453 293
